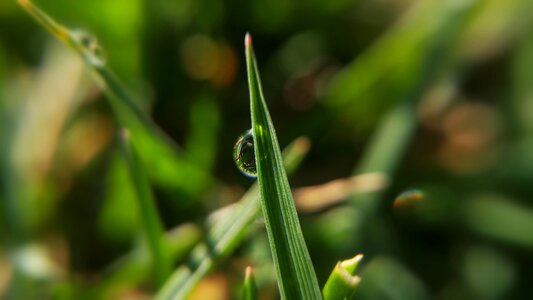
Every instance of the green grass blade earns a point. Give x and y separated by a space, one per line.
202 143
225 234
295 273
389 143
153 227
167 166
343 282
249 290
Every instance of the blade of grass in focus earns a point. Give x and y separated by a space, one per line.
225 234
249 289
166 166
153 227
295 273
343 282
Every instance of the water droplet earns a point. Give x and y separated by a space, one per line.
90 46
244 154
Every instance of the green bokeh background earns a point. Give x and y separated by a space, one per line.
436 95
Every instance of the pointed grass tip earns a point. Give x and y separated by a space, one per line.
354 261
347 269
248 40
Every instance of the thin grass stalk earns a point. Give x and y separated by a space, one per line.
152 225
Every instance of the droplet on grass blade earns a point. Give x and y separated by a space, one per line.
244 154
90 46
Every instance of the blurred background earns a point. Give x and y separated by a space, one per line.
419 115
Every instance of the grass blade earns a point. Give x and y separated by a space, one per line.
295 273
385 152
225 234
249 291
153 227
343 282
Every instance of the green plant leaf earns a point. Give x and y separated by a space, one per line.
225 234
343 282
249 289
295 273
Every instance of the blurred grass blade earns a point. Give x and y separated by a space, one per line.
134 268
201 145
153 227
500 218
522 89
249 290
387 278
386 150
225 234
389 143
295 273
404 58
343 282
166 166
32 130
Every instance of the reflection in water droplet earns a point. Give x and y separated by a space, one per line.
244 154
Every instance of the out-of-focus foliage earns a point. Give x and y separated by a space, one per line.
428 96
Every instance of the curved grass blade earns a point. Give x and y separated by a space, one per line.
225 234
343 282
167 166
295 273
249 289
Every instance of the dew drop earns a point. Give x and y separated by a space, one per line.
90 47
244 154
